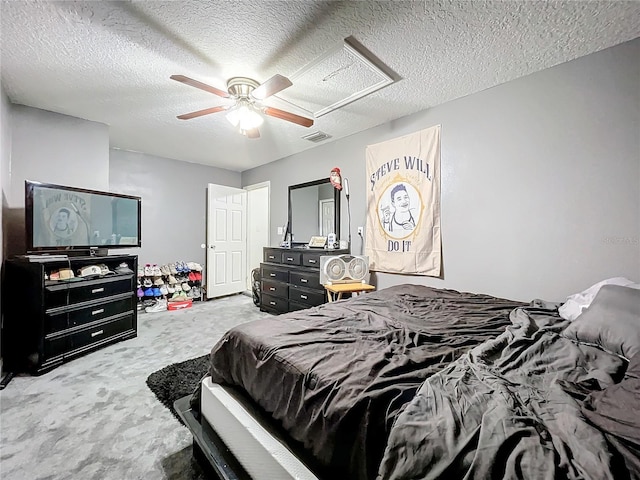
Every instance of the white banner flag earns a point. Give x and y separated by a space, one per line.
403 204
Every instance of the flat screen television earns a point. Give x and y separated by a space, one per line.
68 218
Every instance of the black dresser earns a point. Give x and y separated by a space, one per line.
290 278
48 322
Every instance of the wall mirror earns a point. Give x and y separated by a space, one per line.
314 210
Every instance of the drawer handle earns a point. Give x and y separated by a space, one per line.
312 261
96 312
289 259
271 257
97 290
303 280
272 274
304 297
272 303
272 288
99 332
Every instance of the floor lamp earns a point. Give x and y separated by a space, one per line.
336 181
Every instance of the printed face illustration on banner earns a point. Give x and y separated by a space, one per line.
63 223
400 208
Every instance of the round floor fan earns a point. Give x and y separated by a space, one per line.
247 93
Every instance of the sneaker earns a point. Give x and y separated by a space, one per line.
186 287
156 270
173 269
192 276
170 289
148 283
160 306
165 270
140 271
147 270
138 284
172 280
148 292
140 292
197 267
179 297
158 281
177 287
196 292
156 292
164 290
198 276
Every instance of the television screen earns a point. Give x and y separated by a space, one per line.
59 217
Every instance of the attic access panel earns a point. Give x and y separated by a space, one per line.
337 78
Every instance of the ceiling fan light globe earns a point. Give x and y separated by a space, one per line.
249 118
234 117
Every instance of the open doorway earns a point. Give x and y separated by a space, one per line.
258 225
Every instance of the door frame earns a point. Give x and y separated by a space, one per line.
251 242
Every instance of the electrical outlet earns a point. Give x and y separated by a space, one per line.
280 231
360 231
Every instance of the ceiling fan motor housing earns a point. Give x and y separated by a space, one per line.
241 87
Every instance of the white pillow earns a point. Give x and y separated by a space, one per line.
576 303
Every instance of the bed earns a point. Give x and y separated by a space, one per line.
411 382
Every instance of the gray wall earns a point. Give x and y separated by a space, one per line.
52 148
173 203
5 159
540 180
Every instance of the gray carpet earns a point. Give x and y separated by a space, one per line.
95 418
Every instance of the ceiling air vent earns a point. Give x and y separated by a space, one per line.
316 137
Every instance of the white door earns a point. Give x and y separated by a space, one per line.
327 222
258 225
226 240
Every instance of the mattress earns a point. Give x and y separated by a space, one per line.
256 448
336 376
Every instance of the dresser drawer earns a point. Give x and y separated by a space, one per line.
100 333
305 279
311 259
269 302
276 289
272 255
291 258
84 291
80 316
63 344
306 296
272 273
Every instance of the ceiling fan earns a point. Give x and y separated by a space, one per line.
247 93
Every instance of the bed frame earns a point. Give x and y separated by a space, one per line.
235 441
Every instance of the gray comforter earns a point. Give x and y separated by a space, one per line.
509 408
335 376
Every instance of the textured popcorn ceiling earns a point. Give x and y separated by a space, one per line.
110 61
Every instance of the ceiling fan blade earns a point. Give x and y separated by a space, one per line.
288 116
253 133
202 86
275 84
200 113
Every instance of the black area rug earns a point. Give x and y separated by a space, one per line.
177 380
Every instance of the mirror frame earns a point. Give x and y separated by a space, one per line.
336 207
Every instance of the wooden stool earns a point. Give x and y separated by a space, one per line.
335 291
